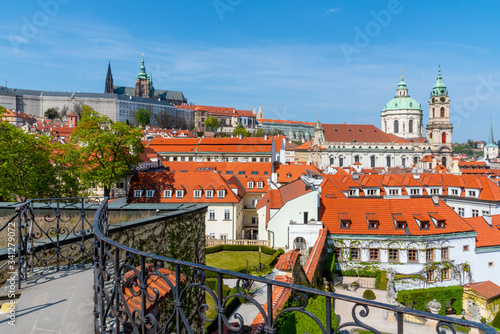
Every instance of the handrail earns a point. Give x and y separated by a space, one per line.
114 305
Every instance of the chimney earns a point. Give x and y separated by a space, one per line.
240 136
265 137
488 219
435 200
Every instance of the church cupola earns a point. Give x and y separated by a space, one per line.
143 84
439 88
142 73
402 88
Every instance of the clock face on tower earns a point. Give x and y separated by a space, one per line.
443 99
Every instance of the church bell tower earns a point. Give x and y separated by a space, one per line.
439 129
108 88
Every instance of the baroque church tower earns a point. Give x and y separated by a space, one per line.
402 116
108 88
143 82
439 130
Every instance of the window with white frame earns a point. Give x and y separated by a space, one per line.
250 185
394 192
461 212
179 193
227 214
371 192
211 214
167 193
454 192
475 212
212 235
485 212
472 193
415 191
150 193
255 220
353 192
223 236
209 194
221 193
197 193
137 193
435 191
260 185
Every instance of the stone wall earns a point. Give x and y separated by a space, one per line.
182 238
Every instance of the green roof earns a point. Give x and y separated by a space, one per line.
439 87
402 103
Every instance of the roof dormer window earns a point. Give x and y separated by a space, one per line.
373 221
345 220
400 221
221 193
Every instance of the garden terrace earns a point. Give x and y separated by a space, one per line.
141 292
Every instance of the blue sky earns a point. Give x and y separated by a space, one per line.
339 61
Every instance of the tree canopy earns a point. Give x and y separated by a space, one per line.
31 166
106 150
143 117
240 130
212 123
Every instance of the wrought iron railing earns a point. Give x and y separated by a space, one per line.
50 232
131 286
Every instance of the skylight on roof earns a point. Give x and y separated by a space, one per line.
241 172
229 172
254 172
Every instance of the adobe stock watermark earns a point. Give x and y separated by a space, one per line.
364 36
32 24
223 6
483 91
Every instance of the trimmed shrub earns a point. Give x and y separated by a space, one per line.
418 298
381 280
272 261
369 294
496 321
239 248
297 322
231 305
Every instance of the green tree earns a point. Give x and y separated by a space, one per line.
240 130
260 133
143 117
107 150
212 123
496 321
51 113
33 167
3 110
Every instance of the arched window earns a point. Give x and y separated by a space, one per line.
443 138
415 160
388 161
341 162
433 113
410 126
442 111
331 161
356 158
444 161
299 243
430 135
396 126
403 161
372 161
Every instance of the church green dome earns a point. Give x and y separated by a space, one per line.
402 101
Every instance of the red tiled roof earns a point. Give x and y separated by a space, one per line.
279 298
217 111
156 284
165 180
487 289
487 235
287 261
315 255
385 209
279 121
360 133
295 171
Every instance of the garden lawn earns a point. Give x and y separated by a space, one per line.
231 260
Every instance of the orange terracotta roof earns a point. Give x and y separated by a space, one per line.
217 111
487 289
165 180
385 209
360 133
212 145
288 173
279 121
156 284
487 235
315 255
287 261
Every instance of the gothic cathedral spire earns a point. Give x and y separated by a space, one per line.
108 89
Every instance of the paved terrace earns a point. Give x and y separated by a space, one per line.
54 302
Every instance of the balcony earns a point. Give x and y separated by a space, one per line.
139 292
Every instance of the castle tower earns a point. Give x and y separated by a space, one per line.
260 114
402 116
491 149
439 130
108 88
143 83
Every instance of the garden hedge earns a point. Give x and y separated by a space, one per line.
418 299
381 280
369 294
297 322
239 248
